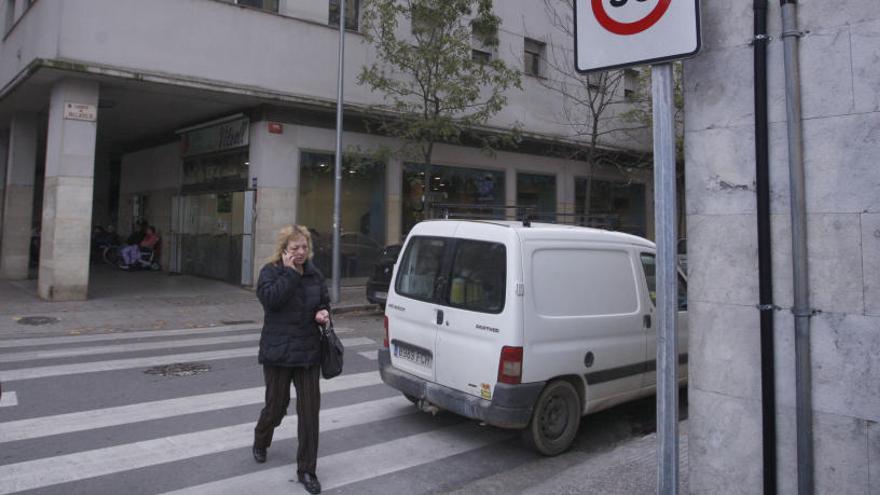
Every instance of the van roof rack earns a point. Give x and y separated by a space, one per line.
527 214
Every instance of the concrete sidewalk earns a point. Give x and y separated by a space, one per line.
628 468
120 301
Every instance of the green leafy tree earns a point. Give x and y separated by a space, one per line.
437 87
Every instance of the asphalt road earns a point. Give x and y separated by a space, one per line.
172 411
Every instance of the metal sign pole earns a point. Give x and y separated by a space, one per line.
667 290
337 185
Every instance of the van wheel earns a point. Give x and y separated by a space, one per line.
555 420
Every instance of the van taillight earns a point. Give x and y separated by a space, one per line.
385 342
510 365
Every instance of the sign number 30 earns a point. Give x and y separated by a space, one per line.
627 28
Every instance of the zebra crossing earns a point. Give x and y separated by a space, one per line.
82 416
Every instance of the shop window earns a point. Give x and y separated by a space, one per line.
612 205
471 192
363 211
352 14
537 192
533 57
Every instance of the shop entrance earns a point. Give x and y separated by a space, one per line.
212 217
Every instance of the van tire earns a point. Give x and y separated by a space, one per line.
555 420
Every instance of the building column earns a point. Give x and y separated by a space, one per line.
68 192
274 168
393 202
18 197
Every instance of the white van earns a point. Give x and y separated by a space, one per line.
523 326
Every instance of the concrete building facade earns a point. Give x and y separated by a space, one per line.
840 81
213 119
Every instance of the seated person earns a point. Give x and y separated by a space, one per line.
132 252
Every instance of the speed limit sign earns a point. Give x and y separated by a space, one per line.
611 34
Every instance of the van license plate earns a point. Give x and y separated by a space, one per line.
412 355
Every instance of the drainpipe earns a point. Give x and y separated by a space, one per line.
801 309
765 263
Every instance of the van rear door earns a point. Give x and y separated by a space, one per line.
413 309
479 314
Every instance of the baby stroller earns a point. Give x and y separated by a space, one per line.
148 259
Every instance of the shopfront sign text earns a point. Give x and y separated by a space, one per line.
220 137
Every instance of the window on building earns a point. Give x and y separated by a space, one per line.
481 56
533 57
352 14
9 16
630 83
270 5
539 193
363 211
612 205
474 192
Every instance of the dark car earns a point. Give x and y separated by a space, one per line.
380 279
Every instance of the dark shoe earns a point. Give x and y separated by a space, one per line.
310 481
259 454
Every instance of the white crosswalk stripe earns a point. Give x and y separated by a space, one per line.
120 348
79 339
140 444
348 467
49 471
121 364
371 355
116 337
26 429
9 399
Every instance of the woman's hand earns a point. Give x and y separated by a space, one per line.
287 258
322 317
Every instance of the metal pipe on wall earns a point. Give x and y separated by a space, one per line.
765 262
800 275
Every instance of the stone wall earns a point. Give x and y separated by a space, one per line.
840 77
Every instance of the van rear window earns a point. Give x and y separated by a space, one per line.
461 273
479 271
420 274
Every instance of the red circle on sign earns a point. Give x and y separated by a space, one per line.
624 28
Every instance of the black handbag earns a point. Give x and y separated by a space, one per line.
331 352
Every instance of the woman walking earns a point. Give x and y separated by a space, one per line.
295 301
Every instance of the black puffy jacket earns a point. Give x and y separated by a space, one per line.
290 301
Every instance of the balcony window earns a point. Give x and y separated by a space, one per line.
352 14
533 57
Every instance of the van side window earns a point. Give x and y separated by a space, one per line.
650 266
420 274
479 272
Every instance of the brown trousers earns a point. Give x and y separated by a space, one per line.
308 405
